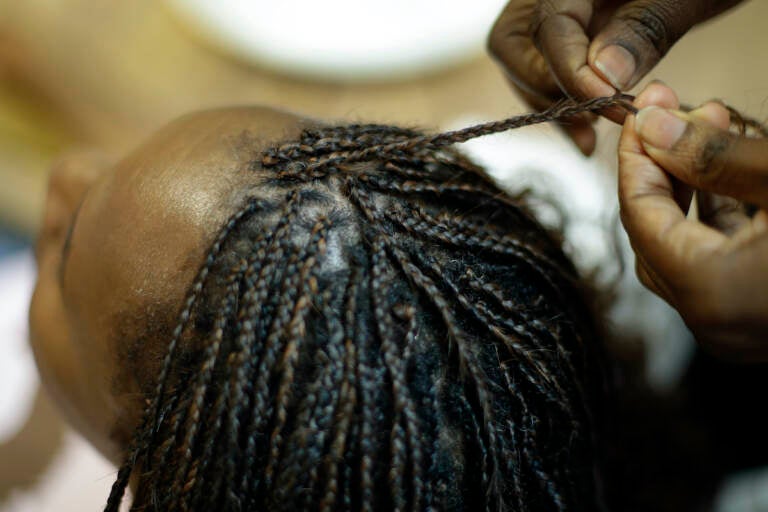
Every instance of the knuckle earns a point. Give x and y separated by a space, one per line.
513 21
542 11
652 25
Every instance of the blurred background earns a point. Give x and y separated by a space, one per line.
105 74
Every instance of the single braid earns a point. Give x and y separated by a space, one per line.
562 110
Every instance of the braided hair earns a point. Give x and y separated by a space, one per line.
379 327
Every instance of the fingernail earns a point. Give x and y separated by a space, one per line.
617 65
658 127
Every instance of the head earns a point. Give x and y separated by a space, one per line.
255 310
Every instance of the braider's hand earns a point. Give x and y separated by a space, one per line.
583 49
714 271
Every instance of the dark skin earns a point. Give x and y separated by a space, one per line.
711 269
552 49
137 232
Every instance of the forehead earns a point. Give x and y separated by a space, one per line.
143 228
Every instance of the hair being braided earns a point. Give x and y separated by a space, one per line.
378 328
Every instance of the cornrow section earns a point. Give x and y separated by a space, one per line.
379 328
415 143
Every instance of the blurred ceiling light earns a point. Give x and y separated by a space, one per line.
345 40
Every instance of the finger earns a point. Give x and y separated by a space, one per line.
713 212
77 170
655 93
638 35
723 213
671 245
705 157
70 177
510 43
659 94
712 112
559 31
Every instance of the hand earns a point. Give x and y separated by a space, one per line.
583 49
713 270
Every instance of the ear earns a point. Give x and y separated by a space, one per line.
69 179
74 172
64 374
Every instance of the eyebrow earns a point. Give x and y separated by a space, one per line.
67 244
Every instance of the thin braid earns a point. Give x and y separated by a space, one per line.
347 398
350 333
485 453
182 485
245 272
532 329
392 358
262 409
467 359
326 439
549 386
412 422
255 314
248 268
395 332
300 478
296 329
545 479
367 383
562 110
288 366
528 429
484 197
415 274
185 481
179 415
148 428
544 380
334 141
560 397
515 460
533 326
421 223
322 403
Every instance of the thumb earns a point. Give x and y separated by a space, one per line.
704 156
638 35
